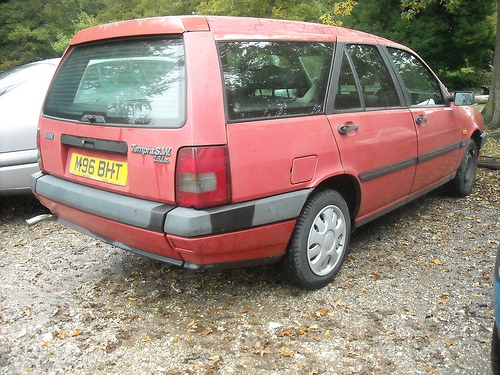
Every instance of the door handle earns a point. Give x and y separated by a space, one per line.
421 119
344 129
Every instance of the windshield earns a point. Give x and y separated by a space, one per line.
139 82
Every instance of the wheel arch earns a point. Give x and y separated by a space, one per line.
347 186
476 137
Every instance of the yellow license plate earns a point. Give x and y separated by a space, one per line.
110 171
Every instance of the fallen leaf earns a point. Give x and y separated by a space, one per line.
302 331
62 335
286 352
192 326
208 331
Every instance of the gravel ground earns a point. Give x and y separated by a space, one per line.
414 296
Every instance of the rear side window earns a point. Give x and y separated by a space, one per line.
347 95
275 78
135 82
377 87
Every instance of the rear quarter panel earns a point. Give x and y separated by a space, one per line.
262 154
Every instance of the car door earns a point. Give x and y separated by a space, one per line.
438 126
375 132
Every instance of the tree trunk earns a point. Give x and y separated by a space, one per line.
488 162
491 111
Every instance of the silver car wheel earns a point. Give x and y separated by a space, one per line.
326 240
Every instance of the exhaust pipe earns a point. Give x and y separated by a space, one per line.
39 218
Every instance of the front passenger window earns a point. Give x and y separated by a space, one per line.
421 86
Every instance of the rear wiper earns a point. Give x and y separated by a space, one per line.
93 119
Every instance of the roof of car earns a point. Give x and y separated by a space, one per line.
227 28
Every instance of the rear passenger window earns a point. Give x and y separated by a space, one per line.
421 86
265 79
377 86
347 95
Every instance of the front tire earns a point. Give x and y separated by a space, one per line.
463 182
495 351
319 242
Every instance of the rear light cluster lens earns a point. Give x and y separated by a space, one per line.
202 177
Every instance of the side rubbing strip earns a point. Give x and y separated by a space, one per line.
380 172
440 152
367 176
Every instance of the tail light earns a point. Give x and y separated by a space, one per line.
202 177
39 154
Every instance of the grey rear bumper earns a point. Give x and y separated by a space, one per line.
163 218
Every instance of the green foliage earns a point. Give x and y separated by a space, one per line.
315 11
468 78
247 8
456 37
33 30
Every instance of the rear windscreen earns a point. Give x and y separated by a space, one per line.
135 82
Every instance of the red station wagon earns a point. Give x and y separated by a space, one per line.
220 141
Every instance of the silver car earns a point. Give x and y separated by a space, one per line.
22 92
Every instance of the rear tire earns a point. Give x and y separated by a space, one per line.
319 242
463 182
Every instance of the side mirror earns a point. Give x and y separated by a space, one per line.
464 98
